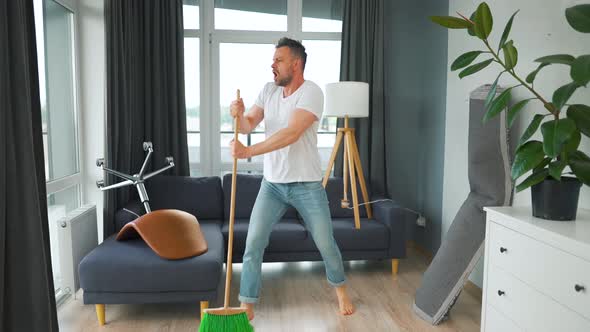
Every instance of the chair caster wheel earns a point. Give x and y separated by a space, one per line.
345 204
100 162
100 183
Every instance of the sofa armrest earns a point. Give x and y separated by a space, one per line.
122 217
396 217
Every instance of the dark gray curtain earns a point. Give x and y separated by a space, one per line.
362 60
145 91
27 295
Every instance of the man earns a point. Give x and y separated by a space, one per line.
291 108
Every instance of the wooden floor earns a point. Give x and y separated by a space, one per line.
296 297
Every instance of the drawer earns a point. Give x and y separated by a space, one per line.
495 321
560 275
528 308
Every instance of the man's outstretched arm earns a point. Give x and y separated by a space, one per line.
298 123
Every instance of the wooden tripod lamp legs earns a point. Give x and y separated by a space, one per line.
352 167
359 167
355 199
339 136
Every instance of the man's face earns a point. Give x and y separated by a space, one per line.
283 66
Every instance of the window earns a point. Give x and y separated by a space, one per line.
57 104
232 42
249 79
258 15
54 22
323 16
191 15
193 101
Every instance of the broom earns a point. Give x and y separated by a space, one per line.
228 319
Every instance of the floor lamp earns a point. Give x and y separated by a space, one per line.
348 100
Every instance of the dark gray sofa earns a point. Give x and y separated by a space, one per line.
118 272
380 238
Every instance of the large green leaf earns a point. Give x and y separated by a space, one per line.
531 129
483 21
573 143
579 17
510 55
531 77
564 59
506 31
498 105
555 134
542 165
513 111
527 157
474 68
451 22
492 93
581 115
464 60
580 165
555 169
532 180
471 29
563 94
580 71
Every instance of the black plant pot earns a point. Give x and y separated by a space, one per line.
556 200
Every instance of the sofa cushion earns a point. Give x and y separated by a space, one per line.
202 197
247 189
335 192
373 235
131 266
285 234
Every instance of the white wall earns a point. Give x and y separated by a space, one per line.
539 29
91 51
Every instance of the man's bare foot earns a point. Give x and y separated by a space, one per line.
346 306
249 309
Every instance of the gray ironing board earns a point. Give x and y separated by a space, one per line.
490 183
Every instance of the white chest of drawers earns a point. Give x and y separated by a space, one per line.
537 272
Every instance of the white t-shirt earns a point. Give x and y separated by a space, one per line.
300 161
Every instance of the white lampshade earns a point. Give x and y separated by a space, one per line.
347 99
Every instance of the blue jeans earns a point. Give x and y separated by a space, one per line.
311 201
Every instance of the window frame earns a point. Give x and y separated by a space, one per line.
55 186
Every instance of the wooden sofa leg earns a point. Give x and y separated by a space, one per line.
100 314
394 266
204 305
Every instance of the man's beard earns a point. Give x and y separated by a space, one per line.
284 81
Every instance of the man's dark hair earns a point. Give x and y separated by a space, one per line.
296 48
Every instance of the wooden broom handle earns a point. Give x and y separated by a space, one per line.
232 212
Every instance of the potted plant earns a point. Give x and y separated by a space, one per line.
558 167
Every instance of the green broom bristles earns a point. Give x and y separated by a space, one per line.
225 323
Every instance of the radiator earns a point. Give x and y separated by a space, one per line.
77 236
